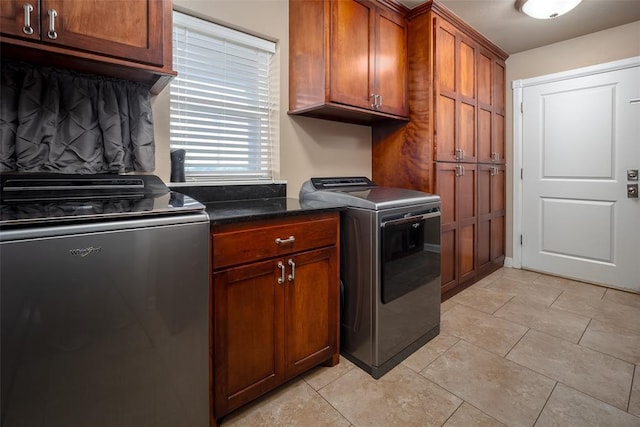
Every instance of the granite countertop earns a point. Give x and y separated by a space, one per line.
246 210
237 203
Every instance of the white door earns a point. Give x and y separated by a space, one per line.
580 137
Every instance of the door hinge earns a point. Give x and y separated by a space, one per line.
521 240
521 174
522 107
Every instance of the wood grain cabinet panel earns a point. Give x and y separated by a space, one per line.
457 186
453 144
119 38
274 317
348 61
491 214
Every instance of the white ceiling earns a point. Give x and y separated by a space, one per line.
514 32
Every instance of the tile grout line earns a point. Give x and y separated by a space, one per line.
633 376
546 402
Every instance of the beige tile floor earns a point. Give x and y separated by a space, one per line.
517 348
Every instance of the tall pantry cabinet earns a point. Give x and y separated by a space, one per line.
453 144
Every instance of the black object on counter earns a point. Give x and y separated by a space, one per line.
177 165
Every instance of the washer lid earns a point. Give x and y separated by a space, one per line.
365 196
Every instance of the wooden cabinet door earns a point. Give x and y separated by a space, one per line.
457 185
311 309
466 191
498 210
248 332
455 91
466 104
131 30
352 66
485 215
445 91
12 18
446 175
498 130
391 63
485 108
491 216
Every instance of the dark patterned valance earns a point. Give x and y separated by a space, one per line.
59 121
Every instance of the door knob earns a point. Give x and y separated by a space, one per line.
632 174
632 191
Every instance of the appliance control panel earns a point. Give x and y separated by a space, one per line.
342 182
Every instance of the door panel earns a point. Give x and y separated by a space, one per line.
467 139
484 136
121 28
497 135
351 64
248 318
391 64
580 136
311 296
467 70
485 82
445 129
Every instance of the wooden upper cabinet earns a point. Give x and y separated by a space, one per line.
391 63
126 29
20 18
347 61
491 91
352 64
455 85
118 38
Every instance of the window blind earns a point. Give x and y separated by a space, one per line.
221 101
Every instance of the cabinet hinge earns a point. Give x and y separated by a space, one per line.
521 240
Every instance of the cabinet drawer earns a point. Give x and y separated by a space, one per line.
252 242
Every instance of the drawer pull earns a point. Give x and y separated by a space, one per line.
292 276
280 241
52 24
27 29
281 278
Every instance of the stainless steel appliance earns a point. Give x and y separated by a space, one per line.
105 303
390 268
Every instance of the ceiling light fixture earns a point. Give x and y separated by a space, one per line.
546 9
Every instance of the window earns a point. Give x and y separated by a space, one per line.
223 101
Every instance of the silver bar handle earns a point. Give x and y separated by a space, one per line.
52 24
379 101
462 167
280 241
422 217
634 101
281 278
292 276
375 104
462 158
27 29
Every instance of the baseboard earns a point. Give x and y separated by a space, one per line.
508 262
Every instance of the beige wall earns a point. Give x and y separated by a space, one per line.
597 48
307 147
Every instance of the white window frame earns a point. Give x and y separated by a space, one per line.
228 131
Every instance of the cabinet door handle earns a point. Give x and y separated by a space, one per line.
280 241
374 106
52 24
458 173
281 278
292 276
27 29
379 101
